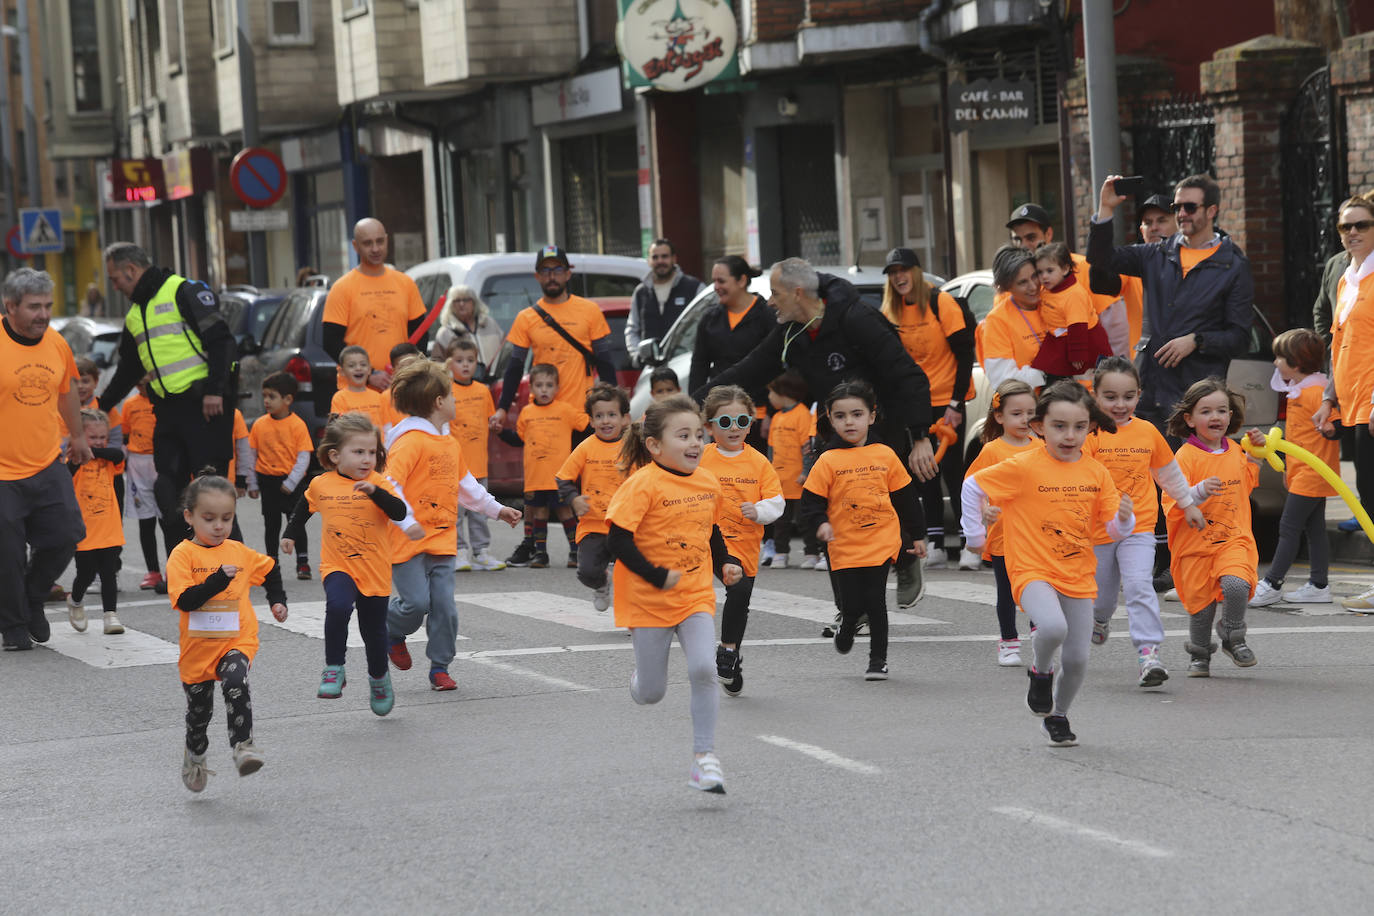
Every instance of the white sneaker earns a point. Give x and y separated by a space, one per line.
76 614
1172 595
194 773
766 553
112 625
706 774
1152 671
482 561
247 757
601 597
937 560
1266 594
1100 630
1364 601
970 560
462 561
808 561
822 563
1307 593
779 561
1009 653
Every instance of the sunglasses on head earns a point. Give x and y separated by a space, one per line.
1187 206
1363 225
742 421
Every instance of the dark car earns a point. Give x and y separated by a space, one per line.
248 310
293 342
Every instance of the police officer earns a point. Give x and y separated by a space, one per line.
174 332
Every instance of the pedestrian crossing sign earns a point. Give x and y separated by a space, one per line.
40 231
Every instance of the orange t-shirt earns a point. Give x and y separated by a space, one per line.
925 338
1188 258
547 430
1227 511
858 482
366 402
1011 333
95 494
1081 270
592 465
997 450
353 531
583 321
1299 477
1068 306
744 478
1131 454
390 415
1133 294
278 442
1050 509
374 311
32 381
736 317
427 467
191 564
472 408
672 517
1352 358
787 432
139 423
240 432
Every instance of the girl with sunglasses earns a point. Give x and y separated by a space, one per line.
753 498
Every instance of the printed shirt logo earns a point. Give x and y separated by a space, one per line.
34 387
836 362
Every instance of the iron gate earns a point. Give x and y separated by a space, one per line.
1312 158
1170 140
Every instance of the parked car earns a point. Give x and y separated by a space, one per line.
293 342
248 310
97 338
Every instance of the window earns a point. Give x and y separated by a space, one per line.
223 25
87 86
351 8
289 21
171 20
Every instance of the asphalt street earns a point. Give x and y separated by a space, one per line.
540 786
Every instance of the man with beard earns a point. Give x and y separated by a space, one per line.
660 298
561 329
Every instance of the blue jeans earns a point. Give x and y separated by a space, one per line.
422 590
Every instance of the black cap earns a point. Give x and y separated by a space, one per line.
551 252
1156 202
901 257
1029 212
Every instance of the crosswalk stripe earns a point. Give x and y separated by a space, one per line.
816 610
307 619
984 593
545 606
129 649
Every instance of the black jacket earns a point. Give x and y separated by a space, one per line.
719 346
1325 304
650 321
199 309
855 341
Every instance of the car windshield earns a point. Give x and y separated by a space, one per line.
287 324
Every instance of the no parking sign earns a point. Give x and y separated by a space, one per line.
258 176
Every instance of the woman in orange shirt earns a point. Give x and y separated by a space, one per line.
208 577
1050 501
1010 336
859 498
664 533
1007 432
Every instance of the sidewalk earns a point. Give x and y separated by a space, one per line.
1345 548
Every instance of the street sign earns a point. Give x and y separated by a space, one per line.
40 231
12 242
258 177
258 220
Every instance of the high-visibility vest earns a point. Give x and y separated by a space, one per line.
167 347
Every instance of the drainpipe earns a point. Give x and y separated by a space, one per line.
931 49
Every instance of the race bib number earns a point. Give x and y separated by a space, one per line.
214 620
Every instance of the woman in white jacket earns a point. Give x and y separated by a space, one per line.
465 314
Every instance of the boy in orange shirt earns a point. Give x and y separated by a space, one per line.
280 448
355 396
87 377
138 424
788 432
472 408
426 465
588 480
97 553
545 430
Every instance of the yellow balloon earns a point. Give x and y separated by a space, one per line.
1275 443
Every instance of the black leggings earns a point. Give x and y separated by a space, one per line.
340 597
1006 604
789 526
862 590
952 477
103 562
200 703
734 615
147 539
1364 466
275 506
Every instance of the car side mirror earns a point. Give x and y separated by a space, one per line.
647 354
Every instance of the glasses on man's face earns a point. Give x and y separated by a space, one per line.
1185 206
1361 226
552 271
741 420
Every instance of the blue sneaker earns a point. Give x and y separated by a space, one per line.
1349 526
383 697
332 682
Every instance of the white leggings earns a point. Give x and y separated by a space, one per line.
1064 624
648 684
1129 564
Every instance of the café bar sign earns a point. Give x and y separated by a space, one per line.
676 45
991 106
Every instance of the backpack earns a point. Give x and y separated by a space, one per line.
970 322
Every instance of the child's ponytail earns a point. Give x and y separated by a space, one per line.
634 454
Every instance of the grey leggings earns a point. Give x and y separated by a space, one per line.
1235 595
1302 515
648 684
1064 624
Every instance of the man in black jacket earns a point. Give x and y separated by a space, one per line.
659 298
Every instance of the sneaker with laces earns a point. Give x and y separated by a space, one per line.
822 563
332 682
729 670
439 679
1364 601
808 561
1009 653
383 698
1152 672
524 552
1100 630
540 560
194 773
151 581
779 561
911 584
877 671
462 560
1199 659
706 774
1040 694
303 571
399 655
76 615
1240 653
1057 731
112 625
1265 595
970 560
483 561
1307 593
247 757
601 597
572 558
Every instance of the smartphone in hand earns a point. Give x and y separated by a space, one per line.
1129 187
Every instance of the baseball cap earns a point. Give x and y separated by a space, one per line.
901 257
551 252
1032 212
1157 202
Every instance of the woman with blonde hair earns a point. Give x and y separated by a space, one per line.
465 314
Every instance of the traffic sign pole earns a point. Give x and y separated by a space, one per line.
248 99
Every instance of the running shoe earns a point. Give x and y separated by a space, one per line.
112 625
601 597
1364 601
462 560
524 552
1172 595
1199 660
1100 630
766 552
1040 695
76 615
877 671
332 682
970 560
844 637
1265 595
937 560
1307 593
779 561
1349 526
1009 653
1240 653
706 774
17 640
1057 730
1152 672
383 698
439 679
247 757
1163 581
822 563
194 773
151 581
911 584
399 655
808 561
303 571
483 561
540 560
729 670
572 556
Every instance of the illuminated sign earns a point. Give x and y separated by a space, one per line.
187 172
138 180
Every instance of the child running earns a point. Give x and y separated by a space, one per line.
588 480
790 429
355 502
472 408
87 377
356 368
400 354
1006 432
753 498
208 578
859 499
664 534
1050 500
1137 457
139 424
279 443
1218 563
1299 355
427 470
98 552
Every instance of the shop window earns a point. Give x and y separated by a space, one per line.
601 194
517 198
87 86
289 21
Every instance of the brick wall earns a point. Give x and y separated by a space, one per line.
1352 76
846 12
776 20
